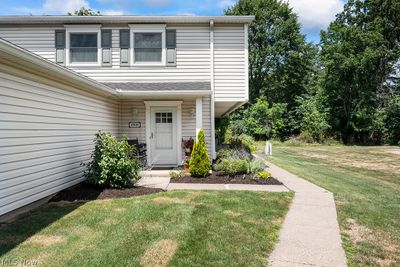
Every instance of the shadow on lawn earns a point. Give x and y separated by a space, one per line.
15 232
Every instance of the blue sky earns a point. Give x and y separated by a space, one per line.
314 15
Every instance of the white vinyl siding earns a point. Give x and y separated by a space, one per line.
189 119
229 63
126 116
115 50
192 56
40 41
46 132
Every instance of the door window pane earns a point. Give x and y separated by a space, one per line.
83 47
148 47
163 117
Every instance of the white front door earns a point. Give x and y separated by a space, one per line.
163 136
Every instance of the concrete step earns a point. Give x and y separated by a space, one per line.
158 173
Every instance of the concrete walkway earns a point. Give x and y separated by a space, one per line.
161 179
310 234
243 187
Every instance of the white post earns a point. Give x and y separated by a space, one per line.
199 114
268 148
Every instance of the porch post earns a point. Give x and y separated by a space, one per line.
199 114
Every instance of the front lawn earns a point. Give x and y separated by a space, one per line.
180 228
366 185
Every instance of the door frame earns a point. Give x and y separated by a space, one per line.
161 104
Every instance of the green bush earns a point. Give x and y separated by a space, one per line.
242 140
235 153
232 166
263 175
256 166
112 164
199 161
177 174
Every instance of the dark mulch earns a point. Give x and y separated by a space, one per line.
218 178
85 191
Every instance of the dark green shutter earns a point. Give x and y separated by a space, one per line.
105 38
60 39
171 38
124 39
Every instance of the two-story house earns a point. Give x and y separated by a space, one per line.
159 79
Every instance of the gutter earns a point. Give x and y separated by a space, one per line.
163 93
35 62
123 19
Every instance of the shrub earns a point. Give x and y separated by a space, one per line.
199 161
232 166
263 175
242 140
177 174
234 153
112 164
256 166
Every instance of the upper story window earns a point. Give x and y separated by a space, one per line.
148 47
83 47
147 44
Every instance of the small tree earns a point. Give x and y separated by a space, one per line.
199 161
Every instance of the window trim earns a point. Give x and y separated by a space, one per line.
71 29
152 28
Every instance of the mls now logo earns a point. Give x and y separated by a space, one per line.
19 262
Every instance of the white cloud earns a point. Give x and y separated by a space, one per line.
156 2
27 11
112 12
62 7
316 13
226 3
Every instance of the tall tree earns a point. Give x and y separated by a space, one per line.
359 52
279 56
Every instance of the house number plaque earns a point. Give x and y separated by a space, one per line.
134 125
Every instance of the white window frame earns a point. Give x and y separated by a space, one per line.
82 29
151 28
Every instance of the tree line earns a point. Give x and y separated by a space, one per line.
345 87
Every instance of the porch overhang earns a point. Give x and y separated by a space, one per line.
141 89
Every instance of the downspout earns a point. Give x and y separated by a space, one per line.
213 154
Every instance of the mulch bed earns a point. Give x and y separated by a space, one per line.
85 192
218 178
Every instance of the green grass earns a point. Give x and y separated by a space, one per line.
180 228
366 185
